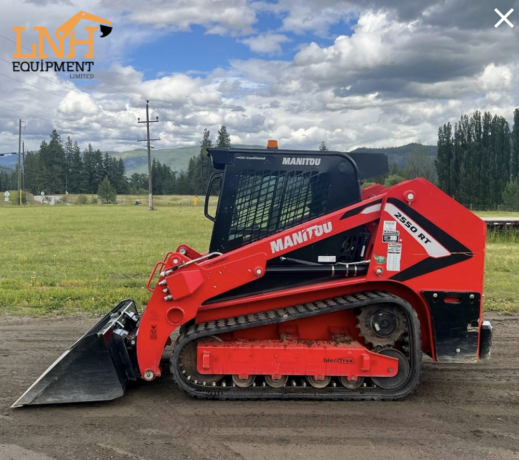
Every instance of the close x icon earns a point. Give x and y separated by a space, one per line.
504 18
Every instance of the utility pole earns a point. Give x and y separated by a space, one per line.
148 140
19 156
23 165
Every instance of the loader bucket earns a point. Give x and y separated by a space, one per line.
96 368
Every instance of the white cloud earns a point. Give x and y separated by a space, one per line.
266 43
218 16
394 81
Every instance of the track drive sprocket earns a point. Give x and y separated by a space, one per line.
381 325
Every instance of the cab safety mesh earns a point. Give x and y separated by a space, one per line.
268 202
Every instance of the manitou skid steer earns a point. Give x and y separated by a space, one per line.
311 289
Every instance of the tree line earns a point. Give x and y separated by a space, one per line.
478 159
59 167
194 180
477 164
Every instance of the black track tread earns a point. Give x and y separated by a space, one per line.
292 313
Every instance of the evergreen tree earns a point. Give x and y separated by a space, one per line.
476 162
75 180
514 163
223 140
323 147
32 172
444 158
476 154
486 159
69 152
99 169
183 184
120 175
511 196
108 169
419 164
138 183
203 165
6 180
156 177
106 192
88 174
53 165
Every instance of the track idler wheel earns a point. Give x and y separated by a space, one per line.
276 382
188 364
351 384
389 383
322 383
243 383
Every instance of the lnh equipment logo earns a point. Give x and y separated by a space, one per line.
62 33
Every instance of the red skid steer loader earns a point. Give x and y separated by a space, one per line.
312 289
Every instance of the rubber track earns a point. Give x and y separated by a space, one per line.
292 313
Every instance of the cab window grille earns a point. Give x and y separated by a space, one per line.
268 202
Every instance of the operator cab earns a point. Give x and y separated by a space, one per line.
265 191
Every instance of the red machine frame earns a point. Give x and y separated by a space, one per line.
188 278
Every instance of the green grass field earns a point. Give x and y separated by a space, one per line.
72 259
84 259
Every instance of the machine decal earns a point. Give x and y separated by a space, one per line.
369 208
300 237
433 247
295 161
389 226
326 259
394 254
379 259
390 237
390 233
251 158
457 251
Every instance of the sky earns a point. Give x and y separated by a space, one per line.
368 73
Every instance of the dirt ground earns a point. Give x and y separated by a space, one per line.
460 411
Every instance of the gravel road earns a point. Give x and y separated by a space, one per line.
460 411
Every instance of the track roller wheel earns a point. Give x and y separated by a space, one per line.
323 383
388 383
276 383
243 383
351 384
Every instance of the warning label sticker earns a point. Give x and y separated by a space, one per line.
389 226
390 237
394 254
390 233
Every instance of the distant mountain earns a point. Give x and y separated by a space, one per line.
136 161
8 162
398 155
